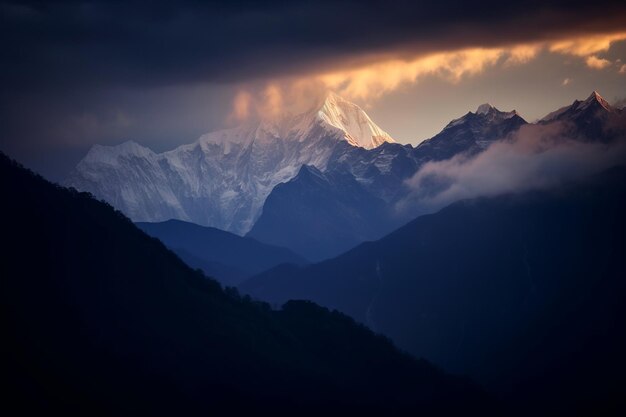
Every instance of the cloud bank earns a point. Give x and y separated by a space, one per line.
537 157
53 44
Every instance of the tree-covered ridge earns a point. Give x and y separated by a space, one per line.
101 319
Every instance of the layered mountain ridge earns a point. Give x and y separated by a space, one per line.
226 257
356 201
522 292
101 319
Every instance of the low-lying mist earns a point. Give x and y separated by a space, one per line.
535 157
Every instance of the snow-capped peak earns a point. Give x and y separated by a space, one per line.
484 108
577 106
223 179
344 119
487 109
596 98
484 113
109 154
358 128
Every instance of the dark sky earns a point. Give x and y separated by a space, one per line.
75 73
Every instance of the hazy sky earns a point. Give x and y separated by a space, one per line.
74 73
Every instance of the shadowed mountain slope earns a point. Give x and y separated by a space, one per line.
524 292
223 255
100 319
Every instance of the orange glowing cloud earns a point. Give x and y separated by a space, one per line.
377 79
597 63
521 54
372 80
277 98
272 103
587 45
241 106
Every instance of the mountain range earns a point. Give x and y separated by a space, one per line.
522 292
223 179
250 180
101 319
354 199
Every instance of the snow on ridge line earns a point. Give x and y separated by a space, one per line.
342 118
223 178
594 97
109 154
357 126
484 108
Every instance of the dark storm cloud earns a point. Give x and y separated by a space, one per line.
47 44
74 73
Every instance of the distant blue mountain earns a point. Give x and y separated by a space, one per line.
524 292
223 255
321 214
